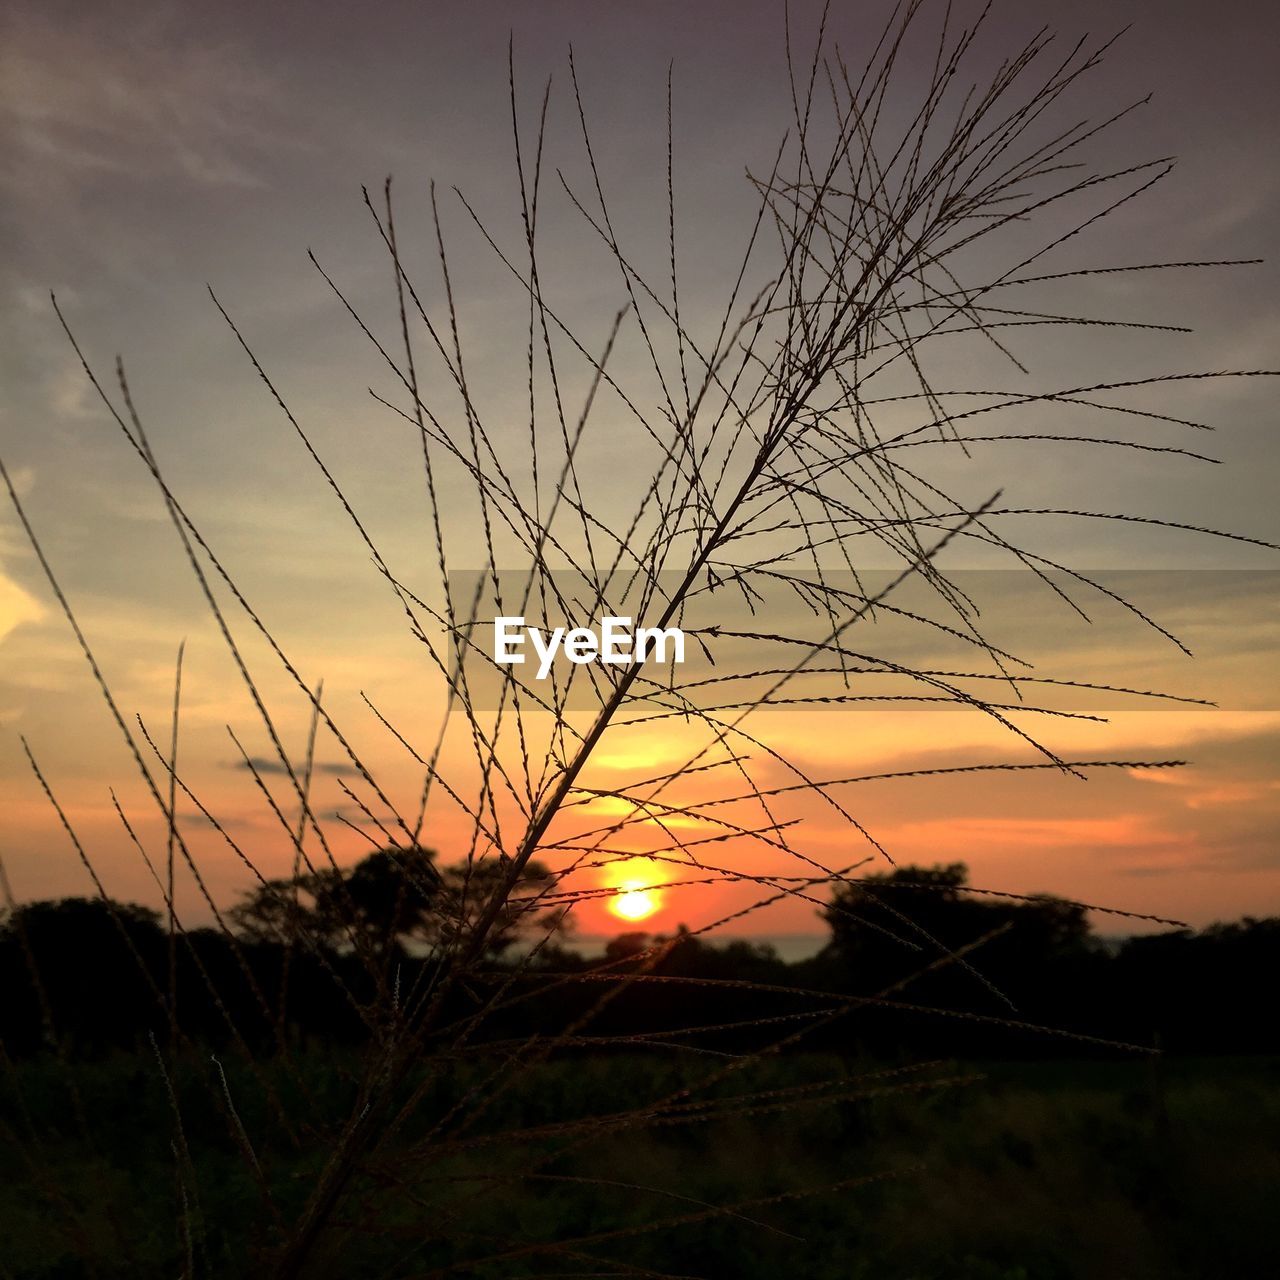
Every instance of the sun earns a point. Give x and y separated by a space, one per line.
634 904
635 897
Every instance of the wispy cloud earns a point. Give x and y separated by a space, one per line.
260 764
105 96
16 606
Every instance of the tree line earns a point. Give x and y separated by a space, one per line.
916 961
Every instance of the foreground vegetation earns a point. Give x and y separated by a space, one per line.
1033 1171
718 1113
917 962
355 1072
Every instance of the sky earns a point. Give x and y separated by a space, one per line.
152 153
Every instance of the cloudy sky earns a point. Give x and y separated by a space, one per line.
153 151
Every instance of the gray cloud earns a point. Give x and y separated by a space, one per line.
261 764
103 95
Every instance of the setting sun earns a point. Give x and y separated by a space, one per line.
635 904
635 895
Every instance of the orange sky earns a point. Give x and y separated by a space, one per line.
143 160
1195 843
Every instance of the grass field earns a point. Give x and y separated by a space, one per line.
1034 1171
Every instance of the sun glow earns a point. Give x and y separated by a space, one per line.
634 896
634 904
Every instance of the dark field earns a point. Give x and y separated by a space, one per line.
673 1108
1026 1171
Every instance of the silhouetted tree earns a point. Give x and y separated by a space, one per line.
890 914
1028 958
1200 992
392 899
391 896
626 946
387 898
82 971
468 889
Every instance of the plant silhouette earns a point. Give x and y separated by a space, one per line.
665 468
